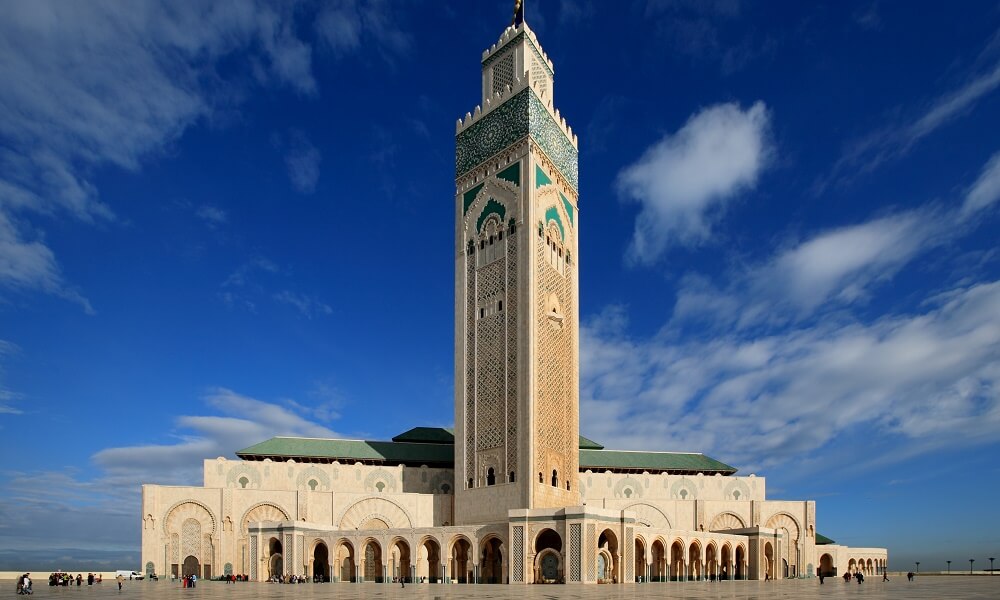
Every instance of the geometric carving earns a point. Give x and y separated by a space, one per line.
727 520
188 509
363 511
313 473
574 552
517 556
387 479
649 515
683 489
261 512
249 475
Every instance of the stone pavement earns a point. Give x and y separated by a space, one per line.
923 587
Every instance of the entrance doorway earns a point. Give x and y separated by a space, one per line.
191 567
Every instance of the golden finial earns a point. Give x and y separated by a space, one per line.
518 13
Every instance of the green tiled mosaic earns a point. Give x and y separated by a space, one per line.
492 207
520 115
551 214
511 174
469 197
569 209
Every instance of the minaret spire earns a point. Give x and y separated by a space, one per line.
518 13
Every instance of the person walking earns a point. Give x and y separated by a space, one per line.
820 574
120 581
885 576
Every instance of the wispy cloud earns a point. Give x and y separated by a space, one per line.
92 85
308 306
684 182
302 160
213 216
757 400
986 190
30 265
74 509
343 26
891 142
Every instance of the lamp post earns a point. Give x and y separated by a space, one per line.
918 566
949 567
971 560
991 565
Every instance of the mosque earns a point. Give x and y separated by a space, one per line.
513 494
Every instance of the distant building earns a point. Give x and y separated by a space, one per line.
514 494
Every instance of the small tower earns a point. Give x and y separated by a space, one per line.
516 289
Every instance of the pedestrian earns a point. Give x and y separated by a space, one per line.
120 581
820 574
861 577
885 576
402 582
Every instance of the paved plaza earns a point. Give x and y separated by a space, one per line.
923 587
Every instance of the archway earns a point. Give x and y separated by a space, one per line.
784 569
400 557
640 560
677 571
871 570
608 543
694 562
275 564
461 560
826 566
727 562
852 566
372 566
321 560
491 563
191 566
769 560
345 561
548 557
741 559
711 562
429 561
659 556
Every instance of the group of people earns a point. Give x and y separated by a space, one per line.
67 579
233 578
287 579
24 584
189 581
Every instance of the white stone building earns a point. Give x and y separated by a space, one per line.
513 494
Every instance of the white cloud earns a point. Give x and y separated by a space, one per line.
242 421
685 180
844 262
342 25
986 190
31 266
97 84
70 509
763 400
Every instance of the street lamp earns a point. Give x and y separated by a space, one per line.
971 560
991 565
918 566
949 567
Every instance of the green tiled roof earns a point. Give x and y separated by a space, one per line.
434 446
822 540
652 461
427 435
283 448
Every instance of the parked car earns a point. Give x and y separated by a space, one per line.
128 574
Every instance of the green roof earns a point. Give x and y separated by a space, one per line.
427 435
586 444
652 461
822 540
283 448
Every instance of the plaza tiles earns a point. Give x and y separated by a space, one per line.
924 587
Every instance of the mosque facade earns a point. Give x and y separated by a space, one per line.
513 494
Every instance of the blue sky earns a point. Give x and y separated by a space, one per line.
220 223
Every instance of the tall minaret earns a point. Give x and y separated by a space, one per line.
517 350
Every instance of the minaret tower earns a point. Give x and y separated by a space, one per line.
516 289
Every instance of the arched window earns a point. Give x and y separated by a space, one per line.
244 481
541 478
491 477
312 484
445 488
512 476
555 478
567 485
470 483
380 487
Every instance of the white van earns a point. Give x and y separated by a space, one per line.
128 574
